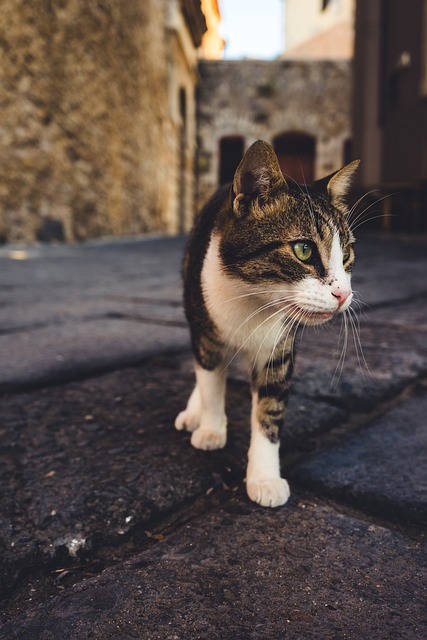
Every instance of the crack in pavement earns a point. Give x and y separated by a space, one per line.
109 315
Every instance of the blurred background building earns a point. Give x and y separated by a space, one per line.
98 116
319 29
300 103
390 108
120 118
303 108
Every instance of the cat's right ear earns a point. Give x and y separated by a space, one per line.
257 176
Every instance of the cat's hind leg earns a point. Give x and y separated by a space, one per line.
205 411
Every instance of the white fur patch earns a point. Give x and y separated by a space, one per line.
246 316
340 280
205 415
250 317
314 296
263 482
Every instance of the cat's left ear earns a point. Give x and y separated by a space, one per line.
257 176
339 183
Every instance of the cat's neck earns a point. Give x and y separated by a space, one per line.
243 318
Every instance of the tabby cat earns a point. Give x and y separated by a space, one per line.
263 258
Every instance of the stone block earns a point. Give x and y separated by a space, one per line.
380 468
245 573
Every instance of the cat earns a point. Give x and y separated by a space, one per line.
264 256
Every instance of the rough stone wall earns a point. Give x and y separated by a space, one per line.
84 131
263 99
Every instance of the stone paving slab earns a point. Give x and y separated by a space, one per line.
390 269
122 268
92 465
75 296
242 572
80 281
389 356
139 309
83 348
84 464
381 468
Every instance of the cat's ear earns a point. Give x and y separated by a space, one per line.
339 183
257 176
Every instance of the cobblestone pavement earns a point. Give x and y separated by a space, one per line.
113 526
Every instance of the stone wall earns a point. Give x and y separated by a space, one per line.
263 99
88 126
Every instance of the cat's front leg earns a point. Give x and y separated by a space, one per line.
264 483
205 411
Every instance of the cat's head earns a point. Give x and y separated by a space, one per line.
290 242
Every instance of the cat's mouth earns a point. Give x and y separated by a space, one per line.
311 317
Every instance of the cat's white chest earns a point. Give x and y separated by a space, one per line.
244 319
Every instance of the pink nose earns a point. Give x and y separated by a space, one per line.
341 296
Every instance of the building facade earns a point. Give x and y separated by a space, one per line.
303 108
390 109
319 29
212 43
98 117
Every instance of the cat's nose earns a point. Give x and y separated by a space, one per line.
341 295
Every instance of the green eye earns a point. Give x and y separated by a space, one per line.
303 250
346 254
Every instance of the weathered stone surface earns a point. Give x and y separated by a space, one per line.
129 283
257 99
389 270
380 468
84 348
57 485
90 125
88 468
71 310
376 366
70 274
85 464
246 573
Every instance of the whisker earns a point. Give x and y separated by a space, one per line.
241 347
382 215
247 295
356 204
358 345
359 217
340 364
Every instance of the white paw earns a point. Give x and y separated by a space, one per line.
208 440
187 420
268 493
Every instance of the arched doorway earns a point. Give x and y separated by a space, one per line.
230 153
296 153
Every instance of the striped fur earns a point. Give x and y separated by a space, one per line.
245 290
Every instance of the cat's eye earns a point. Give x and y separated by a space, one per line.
346 254
303 250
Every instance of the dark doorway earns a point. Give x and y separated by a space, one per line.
230 153
182 150
348 154
296 153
